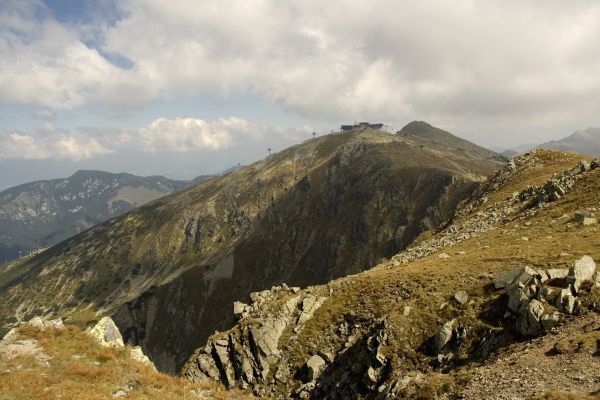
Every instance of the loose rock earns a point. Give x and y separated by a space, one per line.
106 333
461 297
314 366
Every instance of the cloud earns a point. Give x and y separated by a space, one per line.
497 60
45 63
43 114
162 135
185 134
22 146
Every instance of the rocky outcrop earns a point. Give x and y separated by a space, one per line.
537 299
531 302
584 217
107 334
360 367
554 188
249 354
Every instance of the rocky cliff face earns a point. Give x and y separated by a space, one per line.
169 272
516 263
41 214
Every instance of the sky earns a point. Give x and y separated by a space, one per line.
184 87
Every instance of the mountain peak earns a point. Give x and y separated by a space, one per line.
417 126
425 131
585 141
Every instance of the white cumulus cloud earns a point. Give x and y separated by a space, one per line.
185 134
60 146
161 135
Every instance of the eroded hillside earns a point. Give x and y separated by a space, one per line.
169 272
501 304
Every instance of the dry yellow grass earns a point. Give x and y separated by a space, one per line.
80 369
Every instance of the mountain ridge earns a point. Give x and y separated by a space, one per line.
325 208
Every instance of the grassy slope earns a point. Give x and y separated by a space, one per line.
80 369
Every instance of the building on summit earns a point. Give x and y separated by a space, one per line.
361 125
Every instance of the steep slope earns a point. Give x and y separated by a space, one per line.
512 267
43 213
586 142
169 271
202 178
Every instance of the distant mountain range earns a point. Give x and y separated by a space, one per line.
42 213
586 142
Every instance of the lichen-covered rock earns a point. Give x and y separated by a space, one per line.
137 354
443 336
581 215
56 323
550 320
529 321
461 297
583 270
557 273
516 298
239 308
565 301
505 278
36 322
314 366
309 305
106 333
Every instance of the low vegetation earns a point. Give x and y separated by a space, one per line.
78 368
